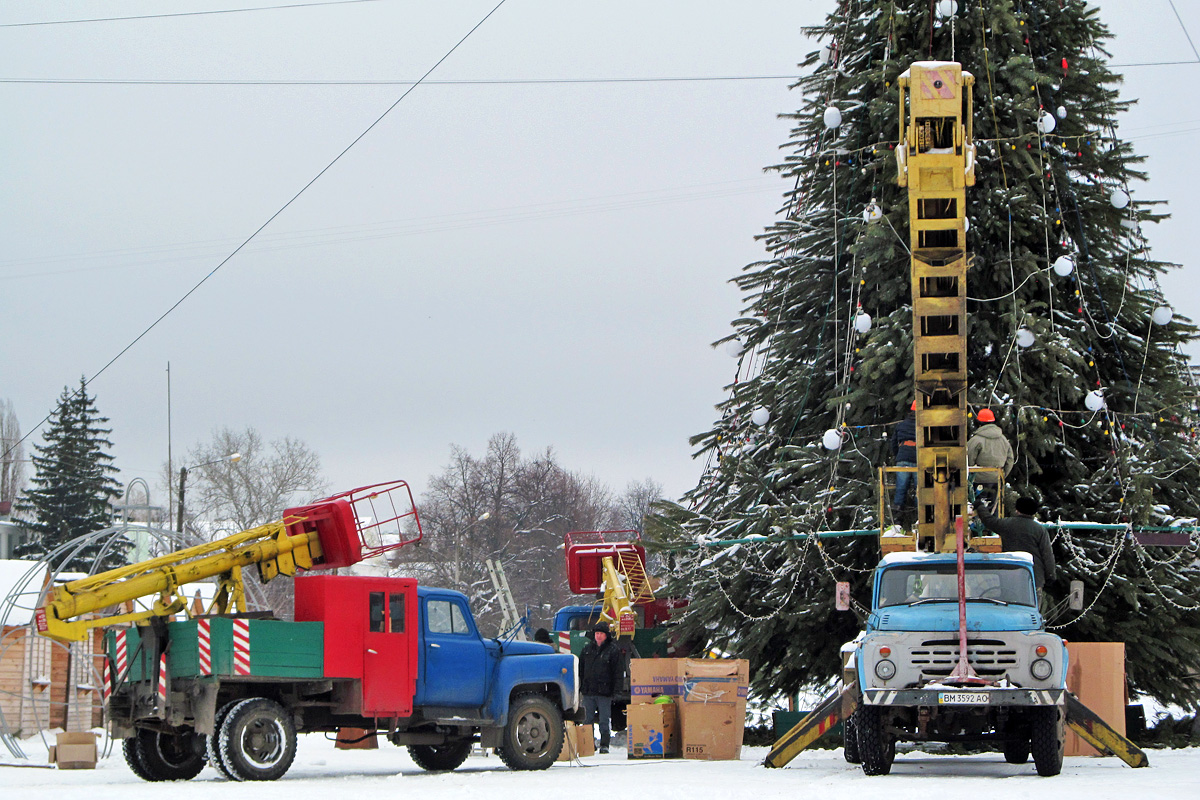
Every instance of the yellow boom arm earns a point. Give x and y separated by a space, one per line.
269 547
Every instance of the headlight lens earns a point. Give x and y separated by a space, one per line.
885 669
1041 669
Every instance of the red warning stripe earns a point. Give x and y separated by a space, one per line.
241 647
162 682
204 646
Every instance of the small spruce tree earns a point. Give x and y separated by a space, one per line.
73 485
1058 250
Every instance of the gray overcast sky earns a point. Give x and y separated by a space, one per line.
550 260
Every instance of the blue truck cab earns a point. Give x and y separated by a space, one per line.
907 671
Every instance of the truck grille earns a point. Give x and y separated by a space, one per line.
936 658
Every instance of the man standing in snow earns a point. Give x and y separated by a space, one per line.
601 670
989 448
1023 533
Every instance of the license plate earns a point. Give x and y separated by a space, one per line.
963 698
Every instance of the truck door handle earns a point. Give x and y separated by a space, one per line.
369 650
434 644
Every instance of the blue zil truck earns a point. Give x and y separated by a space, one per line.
956 657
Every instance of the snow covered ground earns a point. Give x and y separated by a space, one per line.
322 773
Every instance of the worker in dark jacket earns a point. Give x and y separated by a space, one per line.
600 670
904 454
1023 533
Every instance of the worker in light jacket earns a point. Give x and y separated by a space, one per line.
989 447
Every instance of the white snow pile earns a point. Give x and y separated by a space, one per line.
321 772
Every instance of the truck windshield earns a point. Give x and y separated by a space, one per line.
913 583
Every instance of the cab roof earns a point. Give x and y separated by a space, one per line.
891 559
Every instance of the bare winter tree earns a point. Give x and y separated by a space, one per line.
633 505
509 509
235 496
226 497
12 454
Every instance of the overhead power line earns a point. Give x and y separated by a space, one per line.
463 82
178 14
270 219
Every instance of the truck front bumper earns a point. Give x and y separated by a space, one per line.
949 697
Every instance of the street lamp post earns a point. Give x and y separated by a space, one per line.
458 547
183 473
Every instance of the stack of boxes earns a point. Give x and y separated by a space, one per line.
707 713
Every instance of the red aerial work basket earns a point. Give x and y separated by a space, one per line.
586 551
358 524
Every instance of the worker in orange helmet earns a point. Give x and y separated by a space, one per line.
989 447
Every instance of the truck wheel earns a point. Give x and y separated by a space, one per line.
214 741
439 758
850 739
533 737
165 756
1047 737
1016 751
258 740
876 747
132 748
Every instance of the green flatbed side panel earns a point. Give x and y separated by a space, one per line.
651 642
139 663
287 649
183 656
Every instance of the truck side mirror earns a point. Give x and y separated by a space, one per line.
842 598
1076 600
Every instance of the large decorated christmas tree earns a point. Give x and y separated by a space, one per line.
1070 343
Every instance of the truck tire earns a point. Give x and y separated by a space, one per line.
850 739
158 756
214 741
533 736
258 740
132 749
440 758
1047 737
1016 751
876 747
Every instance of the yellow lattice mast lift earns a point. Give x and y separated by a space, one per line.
936 161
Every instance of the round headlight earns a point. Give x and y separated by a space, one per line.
1041 669
885 669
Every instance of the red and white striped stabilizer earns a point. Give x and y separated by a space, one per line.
106 691
564 642
241 647
162 682
204 646
122 654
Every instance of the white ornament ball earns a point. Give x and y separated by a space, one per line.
947 8
1119 198
1162 315
966 224
832 117
1047 123
872 213
1025 337
734 348
1094 400
832 439
1062 112
760 416
1063 266
862 322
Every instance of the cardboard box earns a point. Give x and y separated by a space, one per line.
653 730
578 742
74 751
712 709
650 677
1096 675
